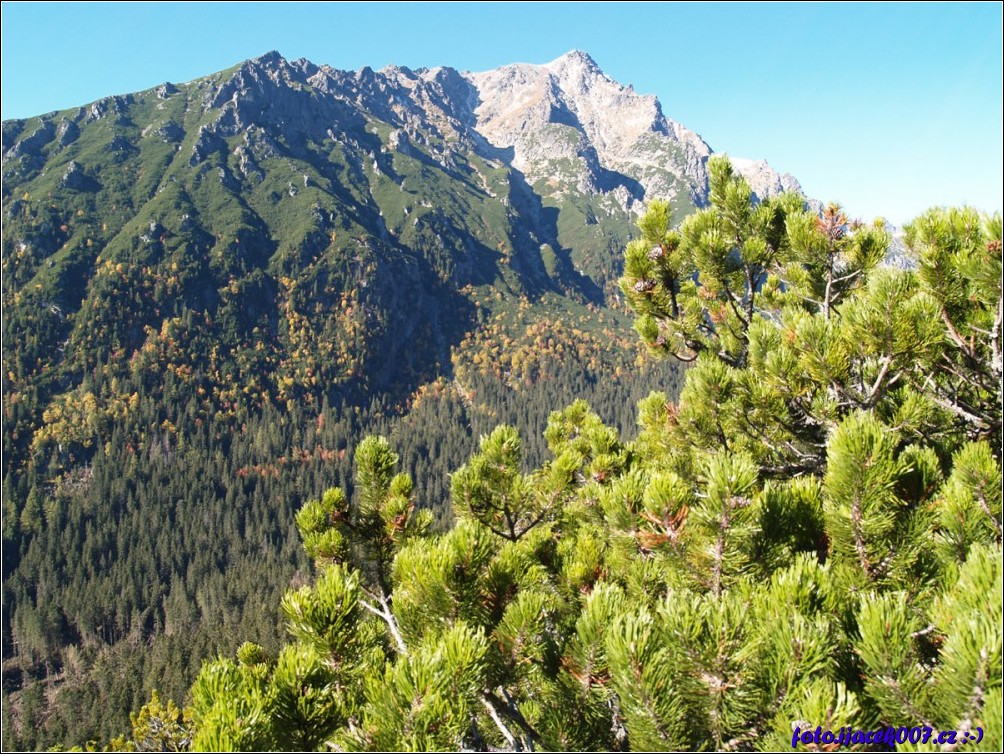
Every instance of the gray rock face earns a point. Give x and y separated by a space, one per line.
115 106
11 130
171 132
32 145
166 89
75 177
208 142
899 255
67 133
765 181
570 110
565 125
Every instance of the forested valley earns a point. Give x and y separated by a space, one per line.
808 539
330 422
174 539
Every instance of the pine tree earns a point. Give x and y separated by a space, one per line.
811 536
959 255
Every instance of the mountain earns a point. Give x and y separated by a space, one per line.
568 118
564 135
213 290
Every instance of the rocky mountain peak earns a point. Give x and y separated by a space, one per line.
567 116
766 181
272 58
565 122
565 125
575 63
575 56
271 66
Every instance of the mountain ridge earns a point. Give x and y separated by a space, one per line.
397 190
409 203
574 72
213 290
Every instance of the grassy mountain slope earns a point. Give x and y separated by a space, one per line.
211 292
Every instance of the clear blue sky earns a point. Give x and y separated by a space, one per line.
888 109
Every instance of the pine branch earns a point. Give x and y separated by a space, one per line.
982 500
617 724
849 276
905 699
995 339
809 461
729 359
847 399
790 469
503 728
949 366
388 617
732 299
494 705
497 532
797 404
709 332
648 703
859 539
721 432
954 406
476 741
514 712
827 298
982 680
732 503
878 389
544 511
954 334
807 299
671 285
751 284
509 519
719 556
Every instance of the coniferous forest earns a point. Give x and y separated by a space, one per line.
239 513
809 537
